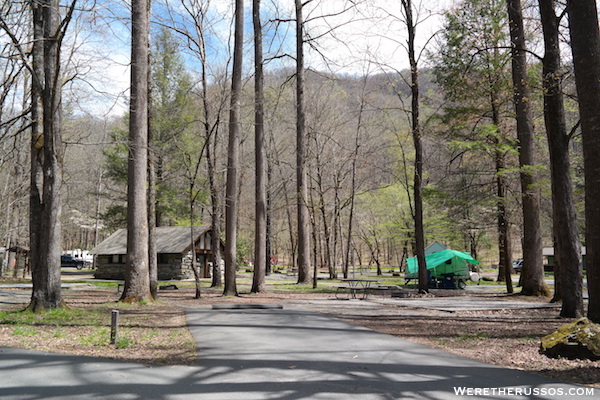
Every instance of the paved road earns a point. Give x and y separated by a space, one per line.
276 354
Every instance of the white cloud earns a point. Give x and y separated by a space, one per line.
373 33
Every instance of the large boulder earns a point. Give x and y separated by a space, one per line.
577 340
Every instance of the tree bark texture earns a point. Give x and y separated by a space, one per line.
36 161
568 248
152 200
417 141
269 211
152 251
215 215
301 174
504 247
260 220
504 240
195 268
585 45
137 281
533 270
46 292
231 198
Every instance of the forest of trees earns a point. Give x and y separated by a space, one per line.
304 133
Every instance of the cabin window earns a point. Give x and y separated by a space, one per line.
118 259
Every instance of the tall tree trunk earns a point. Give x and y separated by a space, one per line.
211 138
326 243
301 174
13 209
194 261
36 157
137 282
215 215
568 247
260 239
152 217
504 240
231 199
585 45
416 134
46 292
35 191
152 250
504 247
269 211
533 269
353 180
317 254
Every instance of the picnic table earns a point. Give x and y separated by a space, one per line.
355 286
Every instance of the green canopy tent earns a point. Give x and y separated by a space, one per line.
443 263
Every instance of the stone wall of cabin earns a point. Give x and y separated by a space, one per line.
186 263
106 269
170 267
174 267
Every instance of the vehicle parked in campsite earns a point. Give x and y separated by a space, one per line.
446 269
517 265
67 260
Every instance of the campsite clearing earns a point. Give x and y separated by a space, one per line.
507 337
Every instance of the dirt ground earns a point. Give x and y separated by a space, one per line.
157 333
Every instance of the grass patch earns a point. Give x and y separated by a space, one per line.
124 342
101 284
23 330
148 336
150 333
529 338
56 317
98 337
300 287
59 332
473 336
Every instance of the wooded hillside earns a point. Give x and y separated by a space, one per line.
378 128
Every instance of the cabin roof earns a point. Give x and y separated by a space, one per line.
169 239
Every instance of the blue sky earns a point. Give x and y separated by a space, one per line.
363 40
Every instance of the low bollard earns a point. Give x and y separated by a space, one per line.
114 327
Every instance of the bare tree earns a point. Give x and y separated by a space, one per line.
47 205
152 250
353 174
260 234
303 218
15 80
36 156
533 269
407 9
215 202
137 283
565 229
585 46
196 35
231 197
152 189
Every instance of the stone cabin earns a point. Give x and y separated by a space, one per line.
174 255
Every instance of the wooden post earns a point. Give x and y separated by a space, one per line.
114 327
